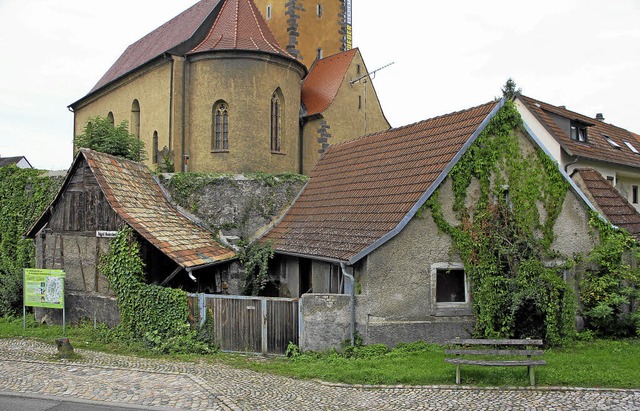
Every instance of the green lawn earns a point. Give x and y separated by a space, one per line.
598 363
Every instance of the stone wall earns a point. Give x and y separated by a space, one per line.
82 306
238 206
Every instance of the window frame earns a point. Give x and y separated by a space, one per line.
580 134
463 308
634 194
220 138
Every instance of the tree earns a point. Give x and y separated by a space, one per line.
100 135
509 89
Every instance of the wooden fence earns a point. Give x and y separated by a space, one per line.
247 324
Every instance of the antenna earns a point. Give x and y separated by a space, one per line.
370 75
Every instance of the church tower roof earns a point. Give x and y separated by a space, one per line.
240 26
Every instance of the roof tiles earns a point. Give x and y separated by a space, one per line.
134 195
362 190
610 202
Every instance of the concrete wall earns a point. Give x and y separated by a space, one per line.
81 307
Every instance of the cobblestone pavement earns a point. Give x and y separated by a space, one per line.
29 367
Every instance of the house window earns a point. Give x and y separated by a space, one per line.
220 138
611 142
110 118
268 11
450 293
578 132
631 147
634 194
610 179
319 54
450 287
276 121
319 10
135 118
154 158
359 102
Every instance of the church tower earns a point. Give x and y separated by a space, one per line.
309 29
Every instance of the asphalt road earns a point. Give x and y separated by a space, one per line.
22 402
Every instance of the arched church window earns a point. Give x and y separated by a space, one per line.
110 118
155 148
277 101
135 118
220 140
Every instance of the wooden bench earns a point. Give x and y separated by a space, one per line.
519 348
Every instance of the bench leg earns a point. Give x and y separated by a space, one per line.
457 374
532 375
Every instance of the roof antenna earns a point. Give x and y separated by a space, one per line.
370 75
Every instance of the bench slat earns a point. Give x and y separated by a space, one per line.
494 352
490 363
481 341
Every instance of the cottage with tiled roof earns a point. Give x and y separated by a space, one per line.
364 214
212 90
102 194
18 161
577 141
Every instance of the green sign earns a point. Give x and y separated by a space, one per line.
44 288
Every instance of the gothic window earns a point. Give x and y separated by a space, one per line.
154 154
276 121
220 126
110 118
135 118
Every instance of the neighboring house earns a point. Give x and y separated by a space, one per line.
19 161
577 141
215 92
362 214
102 194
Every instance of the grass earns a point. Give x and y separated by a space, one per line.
598 363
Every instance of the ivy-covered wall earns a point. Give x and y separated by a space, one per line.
24 193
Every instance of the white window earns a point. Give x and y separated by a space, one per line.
631 147
450 290
611 142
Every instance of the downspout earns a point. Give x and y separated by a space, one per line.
168 57
352 302
301 146
566 167
185 156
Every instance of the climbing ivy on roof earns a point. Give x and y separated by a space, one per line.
505 233
24 194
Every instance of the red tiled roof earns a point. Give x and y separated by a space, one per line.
240 26
363 192
321 85
596 147
164 38
136 197
610 202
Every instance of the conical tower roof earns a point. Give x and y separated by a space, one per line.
240 26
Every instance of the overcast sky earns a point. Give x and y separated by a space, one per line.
447 55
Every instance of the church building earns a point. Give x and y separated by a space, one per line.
241 86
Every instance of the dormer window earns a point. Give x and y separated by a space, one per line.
578 132
611 142
631 147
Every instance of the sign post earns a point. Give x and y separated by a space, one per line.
45 289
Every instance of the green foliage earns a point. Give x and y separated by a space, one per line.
610 294
24 194
292 351
100 135
255 259
156 315
273 180
502 237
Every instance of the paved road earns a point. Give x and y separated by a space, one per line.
28 367
26 402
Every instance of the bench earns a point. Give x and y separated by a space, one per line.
518 348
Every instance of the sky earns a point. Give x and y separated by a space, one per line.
446 55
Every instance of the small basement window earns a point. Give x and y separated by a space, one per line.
450 293
450 286
578 132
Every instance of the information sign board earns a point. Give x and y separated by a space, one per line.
44 288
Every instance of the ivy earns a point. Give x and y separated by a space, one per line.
255 258
610 293
502 236
24 194
150 313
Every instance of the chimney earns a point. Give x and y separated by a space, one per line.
599 117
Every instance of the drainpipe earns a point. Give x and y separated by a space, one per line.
185 156
566 168
352 302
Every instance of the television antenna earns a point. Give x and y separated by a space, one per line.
364 78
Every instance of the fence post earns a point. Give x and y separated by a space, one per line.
265 332
202 308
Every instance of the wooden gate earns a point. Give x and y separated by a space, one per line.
247 324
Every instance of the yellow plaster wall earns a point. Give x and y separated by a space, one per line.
152 90
246 84
345 119
314 32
